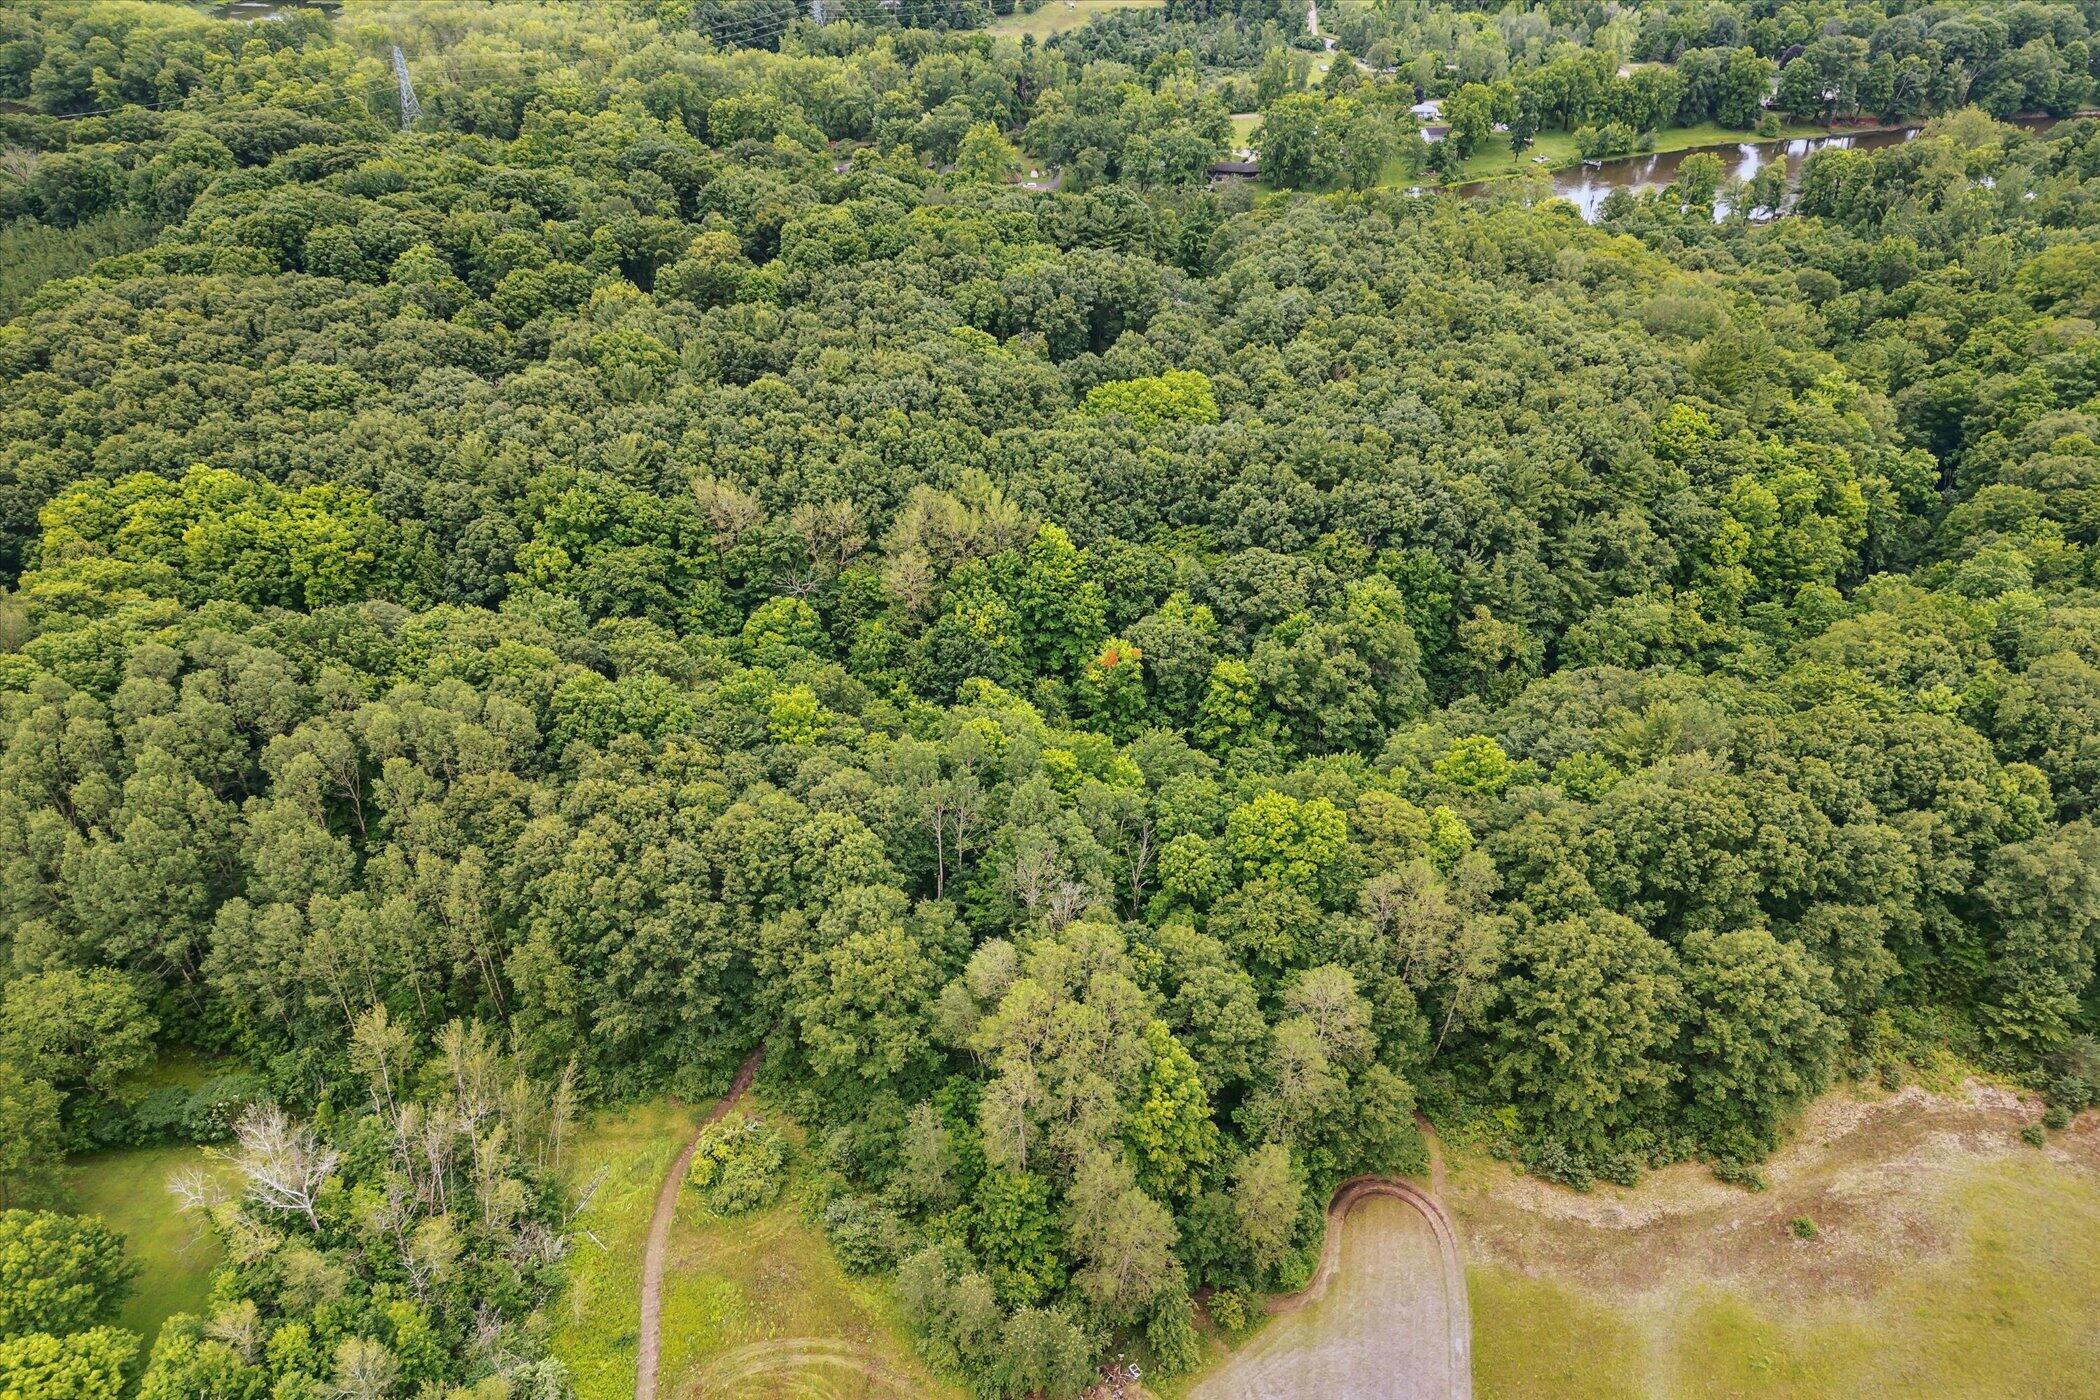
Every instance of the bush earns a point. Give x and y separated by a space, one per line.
1603 142
2056 1118
1228 1308
177 1114
866 1235
2072 1093
1803 1228
1740 1174
737 1165
1295 1270
2034 1135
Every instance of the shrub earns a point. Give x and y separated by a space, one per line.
1803 1228
2034 1135
1228 1308
178 1113
737 1165
1740 1174
866 1235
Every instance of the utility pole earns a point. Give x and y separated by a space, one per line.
410 108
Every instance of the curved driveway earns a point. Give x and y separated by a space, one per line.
1385 1315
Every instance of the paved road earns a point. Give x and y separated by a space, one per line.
1384 1318
650 1341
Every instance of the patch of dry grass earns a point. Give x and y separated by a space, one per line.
1949 1259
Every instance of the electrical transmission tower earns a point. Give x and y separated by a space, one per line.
410 108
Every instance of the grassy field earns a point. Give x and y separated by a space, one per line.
754 1306
1056 16
1537 1337
175 1254
1948 1258
596 1319
2013 1310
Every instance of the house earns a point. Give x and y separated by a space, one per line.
1224 171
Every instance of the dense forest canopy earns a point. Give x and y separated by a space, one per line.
1127 691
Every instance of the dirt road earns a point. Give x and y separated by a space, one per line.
649 1342
1383 1319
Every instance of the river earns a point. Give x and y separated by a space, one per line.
1587 186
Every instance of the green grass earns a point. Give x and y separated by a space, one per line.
175 1252
598 1315
755 1305
1536 1337
1243 125
1056 16
2013 1310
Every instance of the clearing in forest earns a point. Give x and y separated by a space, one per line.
1939 1255
1056 16
175 1251
753 1306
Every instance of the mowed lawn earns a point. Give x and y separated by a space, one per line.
175 1252
2012 1310
752 1306
1056 16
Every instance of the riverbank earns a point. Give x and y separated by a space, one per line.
1495 163
1488 168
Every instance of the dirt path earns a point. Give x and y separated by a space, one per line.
1384 1318
1436 1154
648 1343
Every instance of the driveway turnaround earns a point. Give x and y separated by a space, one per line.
1383 1319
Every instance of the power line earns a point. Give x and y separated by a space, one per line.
410 108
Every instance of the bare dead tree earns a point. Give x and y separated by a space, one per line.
196 1190
239 1327
282 1164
